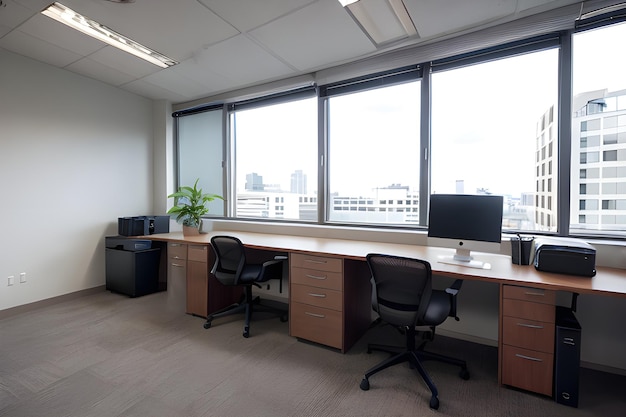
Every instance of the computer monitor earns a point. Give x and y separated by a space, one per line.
465 223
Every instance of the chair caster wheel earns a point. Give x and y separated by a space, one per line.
464 374
246 332
207 325
434 403
284 318
365 384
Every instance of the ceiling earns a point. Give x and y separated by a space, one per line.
225 45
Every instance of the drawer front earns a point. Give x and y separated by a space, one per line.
527 369
528 334
316 324
535 295
318 263
528 310
315 278
315 296
177 251
197 253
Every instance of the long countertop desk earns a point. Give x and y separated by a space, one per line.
607 281
527 322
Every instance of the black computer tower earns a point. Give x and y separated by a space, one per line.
567 357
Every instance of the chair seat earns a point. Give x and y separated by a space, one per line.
250 273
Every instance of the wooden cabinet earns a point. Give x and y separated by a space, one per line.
190 286
177 276
197 280
527 338
325 294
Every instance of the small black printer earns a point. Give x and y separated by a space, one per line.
565 256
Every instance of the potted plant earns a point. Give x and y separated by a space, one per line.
190 206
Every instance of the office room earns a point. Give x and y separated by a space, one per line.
88 136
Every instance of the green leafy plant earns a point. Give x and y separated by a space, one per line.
190 204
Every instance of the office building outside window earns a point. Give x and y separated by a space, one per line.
598 187
275 149
494 136
374 156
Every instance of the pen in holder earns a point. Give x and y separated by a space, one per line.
521 249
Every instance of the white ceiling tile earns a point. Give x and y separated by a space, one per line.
153 91
174 28
49 30
124 62
247 15
240 59
35 48
437 17
332 38
96 70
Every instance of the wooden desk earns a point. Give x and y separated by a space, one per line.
354 304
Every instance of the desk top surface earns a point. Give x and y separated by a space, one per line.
607 281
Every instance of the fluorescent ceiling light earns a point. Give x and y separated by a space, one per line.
345 3
403 16
69 17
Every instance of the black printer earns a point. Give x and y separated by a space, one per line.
565 256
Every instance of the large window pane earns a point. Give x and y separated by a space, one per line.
200 154
275 154
494 130
374 156
598 105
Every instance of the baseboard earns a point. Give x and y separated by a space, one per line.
49 301
603 368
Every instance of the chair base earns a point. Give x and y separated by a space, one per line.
415 357
248 306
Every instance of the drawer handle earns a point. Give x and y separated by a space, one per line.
532 326
569 341
315 261
319 316
530 358
178 265
175 244
316 277
539 294
177 257
317 295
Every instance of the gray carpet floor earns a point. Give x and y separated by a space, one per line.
109 355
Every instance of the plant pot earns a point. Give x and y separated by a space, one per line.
190 231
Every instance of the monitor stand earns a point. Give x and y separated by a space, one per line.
462 257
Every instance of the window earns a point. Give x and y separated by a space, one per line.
275 149
493 116
374 151
200 154
602 89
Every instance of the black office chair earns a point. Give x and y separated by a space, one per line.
231 268
404 298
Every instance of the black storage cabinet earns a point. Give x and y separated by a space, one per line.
567 357
132 268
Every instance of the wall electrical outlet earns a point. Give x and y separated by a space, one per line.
22 277
11 280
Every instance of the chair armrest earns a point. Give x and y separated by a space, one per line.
273 270
452 291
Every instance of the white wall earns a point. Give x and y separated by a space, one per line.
75 154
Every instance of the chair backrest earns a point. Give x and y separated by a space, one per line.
402 286
230 259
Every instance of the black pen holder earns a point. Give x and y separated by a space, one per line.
521 248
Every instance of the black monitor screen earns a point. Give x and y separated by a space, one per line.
465 217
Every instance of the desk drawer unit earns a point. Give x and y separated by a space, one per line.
329 299
527 338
